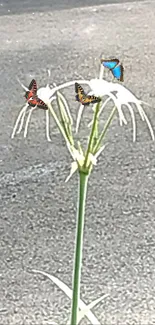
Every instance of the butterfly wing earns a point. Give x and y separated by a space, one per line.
33 86
80 92
93 99
32 89
110 64
118 72
35 101
83 98
41 104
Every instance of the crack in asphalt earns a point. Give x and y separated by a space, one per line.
31 172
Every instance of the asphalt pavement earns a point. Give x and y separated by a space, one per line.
11 7
37 207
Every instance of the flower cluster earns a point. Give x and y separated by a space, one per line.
113 92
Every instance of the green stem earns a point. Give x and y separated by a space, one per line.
92 134
101 137
83 182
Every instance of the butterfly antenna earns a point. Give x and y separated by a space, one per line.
24 87
22 111
28 120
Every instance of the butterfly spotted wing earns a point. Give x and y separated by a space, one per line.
83 98
41 104
32 89
115 67
80 92
32 97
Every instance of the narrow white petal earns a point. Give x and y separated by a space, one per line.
149 125
68 293
22 111
48 126
140 110
74 167
100 151
118 105
84 311
92 158
133 121
28 120
22 122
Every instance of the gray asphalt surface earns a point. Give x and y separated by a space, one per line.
11 7
37 224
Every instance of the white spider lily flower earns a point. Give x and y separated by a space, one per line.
121 96
44 93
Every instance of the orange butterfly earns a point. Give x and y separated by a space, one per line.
32 98
83 98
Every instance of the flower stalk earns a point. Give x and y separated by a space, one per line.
83 184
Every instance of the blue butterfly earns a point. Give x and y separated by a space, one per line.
115 67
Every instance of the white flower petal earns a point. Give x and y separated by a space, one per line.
133 121
104 88
99 151
92 158
74 167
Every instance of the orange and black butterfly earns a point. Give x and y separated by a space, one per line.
83 98
32 98
115 67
